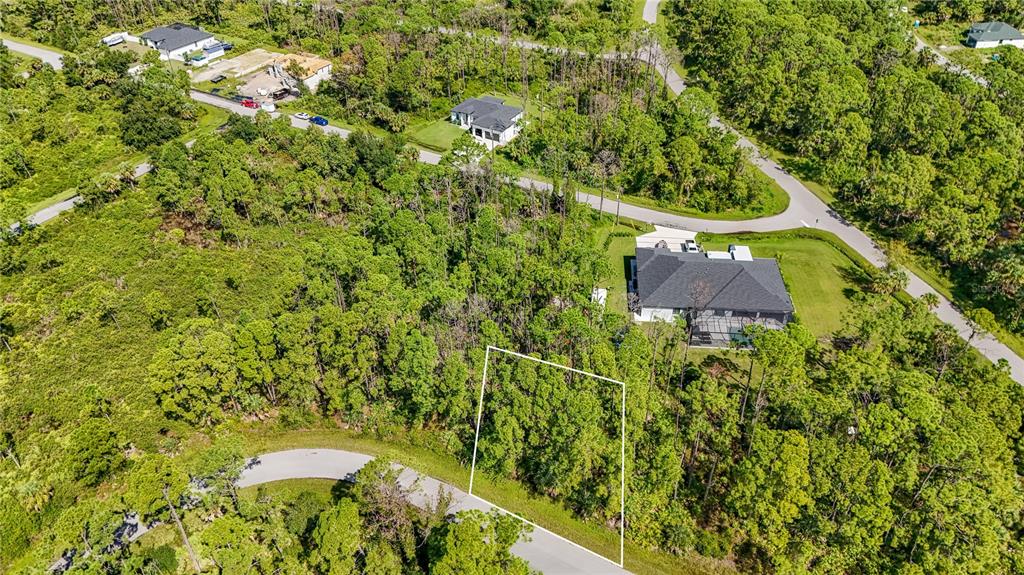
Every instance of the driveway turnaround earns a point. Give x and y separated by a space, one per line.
804 210
543 550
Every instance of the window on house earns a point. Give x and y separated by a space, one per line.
477 132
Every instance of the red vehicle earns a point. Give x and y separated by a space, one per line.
250 103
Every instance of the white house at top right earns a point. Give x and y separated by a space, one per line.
993 35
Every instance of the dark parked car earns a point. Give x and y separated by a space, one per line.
279 94
219 78
227 46
319 120
238 98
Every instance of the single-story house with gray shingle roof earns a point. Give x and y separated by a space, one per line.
488 119
994 34
718 293
176 41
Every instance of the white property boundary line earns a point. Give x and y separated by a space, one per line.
622 453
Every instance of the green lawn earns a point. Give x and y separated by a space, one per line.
619 249
138 51
947 38
821 278
924 268
411 451
437 136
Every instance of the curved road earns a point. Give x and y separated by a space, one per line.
805 209
543 550
50 57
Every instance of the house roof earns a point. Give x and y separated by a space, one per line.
489 113
310 64
667 279
993 32
177 35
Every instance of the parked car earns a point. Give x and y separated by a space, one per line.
215 91
302 116
227 46
239 99
279 94
268 107
249 103
319 120
219 78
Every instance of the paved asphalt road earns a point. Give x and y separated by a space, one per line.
804 210
49 56
544 551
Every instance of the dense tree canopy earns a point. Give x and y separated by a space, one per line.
377 282
301 280
599 121
931 158
62 128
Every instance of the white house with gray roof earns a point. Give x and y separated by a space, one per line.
993 35
177 41
719 294
488 119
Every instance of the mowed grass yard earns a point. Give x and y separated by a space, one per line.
821 279
437 136
619 249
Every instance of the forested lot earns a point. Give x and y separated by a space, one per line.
300 279
1010 11
928 158
63 132
607 123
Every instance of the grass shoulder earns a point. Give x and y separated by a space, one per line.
33 43
776 203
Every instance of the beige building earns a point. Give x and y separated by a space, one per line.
314 69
